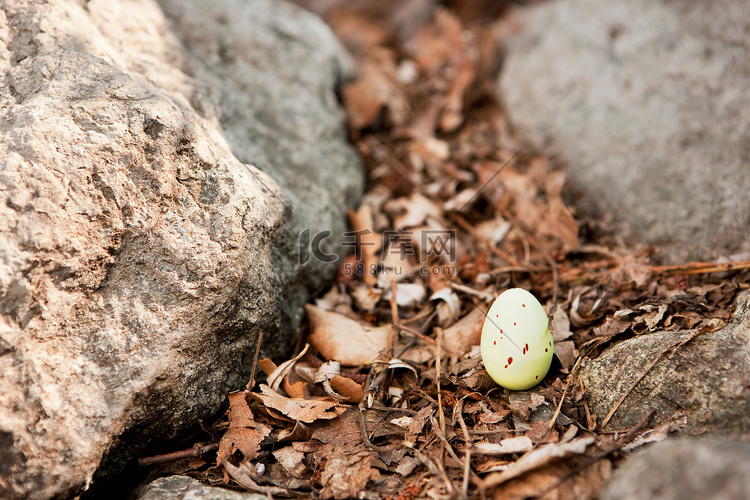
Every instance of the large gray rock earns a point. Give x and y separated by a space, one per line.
187 488
151 198
645 101
697 380
682 469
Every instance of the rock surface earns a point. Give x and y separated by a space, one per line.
183 487
644 102
152 196
684 468
692 378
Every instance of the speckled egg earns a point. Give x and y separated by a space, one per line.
516 345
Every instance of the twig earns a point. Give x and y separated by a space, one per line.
555 283
434 467
476 234
421 392
491 179
194 452
251 383
483 296
702 267
438 369
366 439
469 441
415 333
446 445
394 318
551 424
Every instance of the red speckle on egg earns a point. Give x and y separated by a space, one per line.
501 330
510 360
527 347
537 377
545 349
514 323
497 315
523 305
494 342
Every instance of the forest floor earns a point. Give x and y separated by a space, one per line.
391 399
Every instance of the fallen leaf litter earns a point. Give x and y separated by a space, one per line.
392 400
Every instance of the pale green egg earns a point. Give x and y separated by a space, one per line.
516 346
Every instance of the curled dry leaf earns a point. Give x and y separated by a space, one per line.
326 373
337 337
408 294
295 390
244 475
300 432
275 378
507 446
449 306
351 391
304 410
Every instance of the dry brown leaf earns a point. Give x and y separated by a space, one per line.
267 366
295 390
345 472
244 477
242 433
452 116
464 333
304 410
291 460
413 211
368 241
377 88
275 378
337 337
537 458
348 388
557 222
521 193
357 32
560 324
555 482
566 352
437 43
